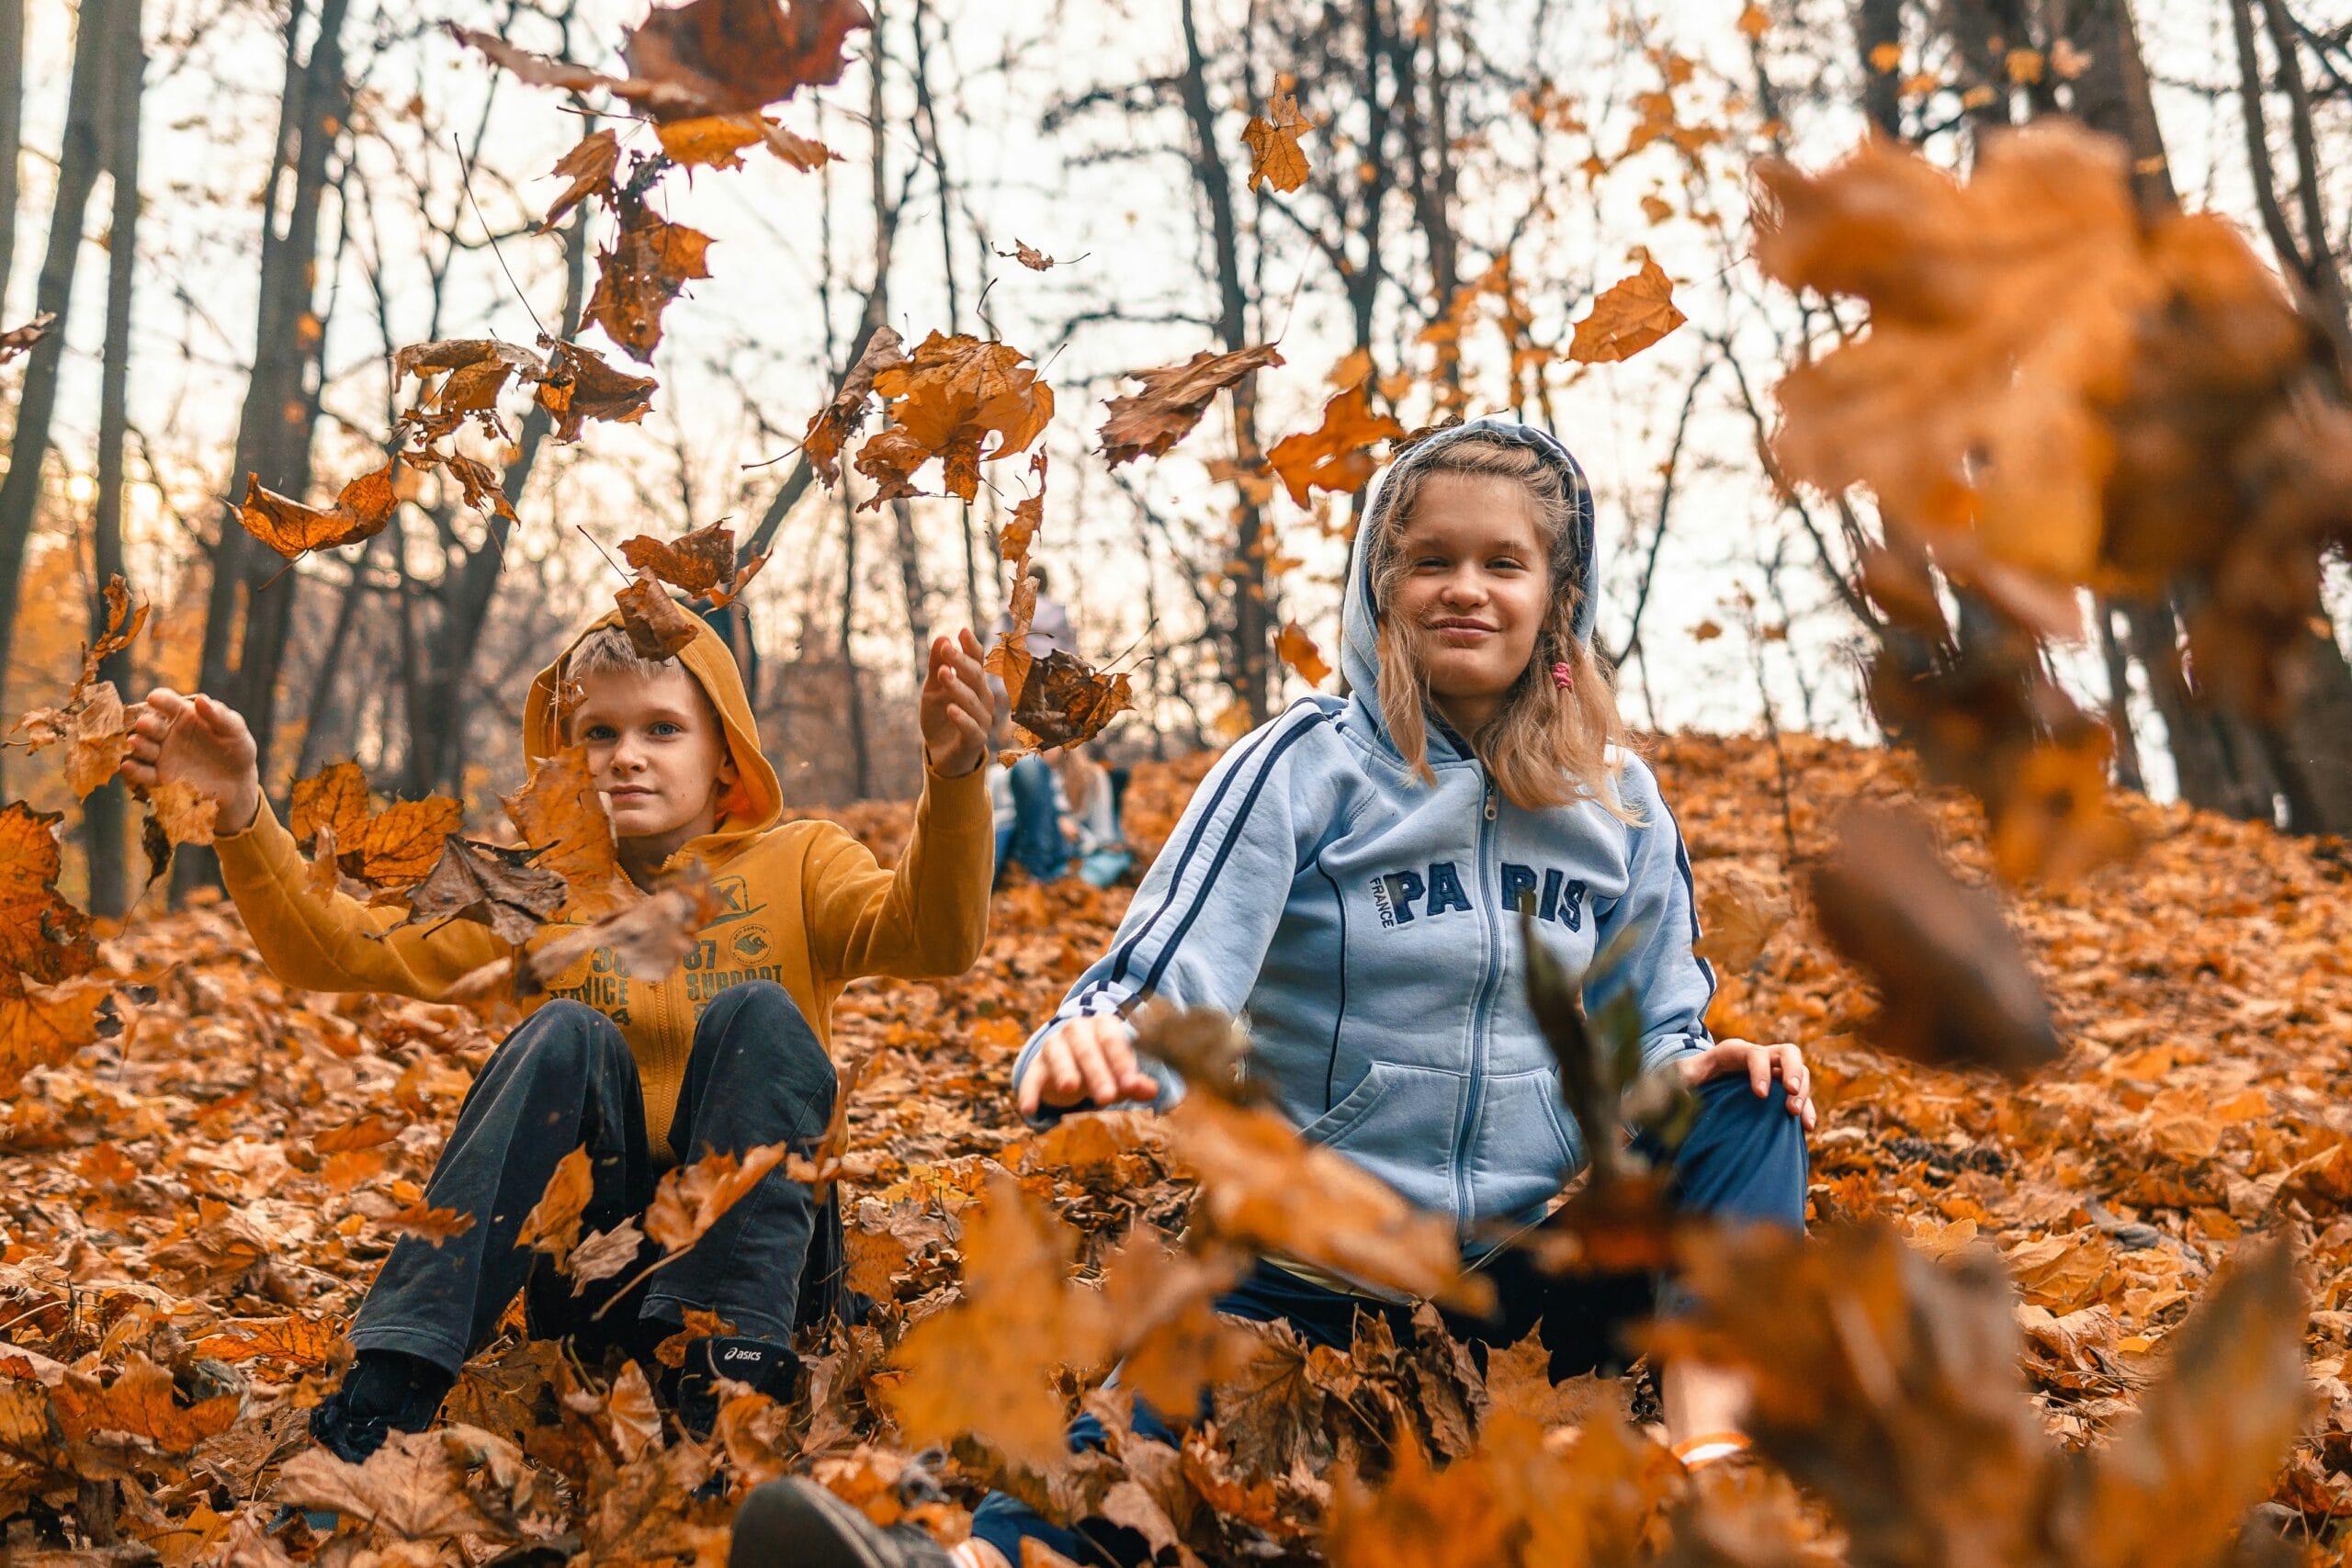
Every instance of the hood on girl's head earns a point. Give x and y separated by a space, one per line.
757 799
1574 565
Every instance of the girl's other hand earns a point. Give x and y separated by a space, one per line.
1085 1059
956 707
197 741
1759 1064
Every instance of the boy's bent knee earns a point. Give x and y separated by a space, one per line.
565 1034
759 1018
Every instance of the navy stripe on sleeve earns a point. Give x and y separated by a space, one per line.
1223 849
1124 954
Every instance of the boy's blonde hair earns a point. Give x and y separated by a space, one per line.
607 652
1544 747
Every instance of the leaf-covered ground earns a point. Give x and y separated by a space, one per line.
193 1207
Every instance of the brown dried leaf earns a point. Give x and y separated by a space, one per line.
1332 455
692 1198
657 627
589 166
832 427
1274 152
558 810
1629 316
651 261
293 530
1147 423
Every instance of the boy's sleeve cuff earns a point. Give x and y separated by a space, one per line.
959 802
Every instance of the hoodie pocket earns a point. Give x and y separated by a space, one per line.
1523 1147
1352 1109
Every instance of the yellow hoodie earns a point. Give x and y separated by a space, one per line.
803 904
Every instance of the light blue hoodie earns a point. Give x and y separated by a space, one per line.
1365 924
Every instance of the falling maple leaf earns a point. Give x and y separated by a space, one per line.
700 564
490 884
1264 1187
42 937
1147 423
1629 316
1028 256
579 385
553 1224
657 627
589 166
360 510
648 939
832 425
560 811
692 1198
183 813
985 1363
649 262
1332 455
1064 701
745 54
460 378
390 848
1275 155
1297 649
20 339
946 400
90 721
710 57
1954 988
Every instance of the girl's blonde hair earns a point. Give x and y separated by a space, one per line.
1544 747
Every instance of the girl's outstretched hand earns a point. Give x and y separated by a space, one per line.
956 707
1085 1059
1759 1064
195 741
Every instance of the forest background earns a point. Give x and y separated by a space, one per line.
237 211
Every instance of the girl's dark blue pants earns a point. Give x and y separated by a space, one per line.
1742 1161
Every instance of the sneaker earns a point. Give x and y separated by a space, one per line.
693 1389
384 1391
799 1523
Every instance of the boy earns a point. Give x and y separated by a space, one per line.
724 1054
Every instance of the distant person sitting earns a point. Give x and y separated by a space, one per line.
1090 796
1026 795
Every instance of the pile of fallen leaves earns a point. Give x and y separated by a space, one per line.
197 1203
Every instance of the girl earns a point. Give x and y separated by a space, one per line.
1350 877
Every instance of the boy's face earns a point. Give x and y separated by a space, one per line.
656 752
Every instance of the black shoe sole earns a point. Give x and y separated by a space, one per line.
792 1523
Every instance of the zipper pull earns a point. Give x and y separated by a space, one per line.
1491 800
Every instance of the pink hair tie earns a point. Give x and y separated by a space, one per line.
1564 677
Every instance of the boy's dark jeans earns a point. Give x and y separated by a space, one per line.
564 1080
1744 1162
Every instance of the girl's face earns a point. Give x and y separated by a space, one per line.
1475 589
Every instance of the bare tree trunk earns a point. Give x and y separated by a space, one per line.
252 589
105 812
325 711
12 128
79 156
854 696
1878 23
437 724
1250 670
2119 700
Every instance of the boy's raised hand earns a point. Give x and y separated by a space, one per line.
1087 1058
956 707
195 741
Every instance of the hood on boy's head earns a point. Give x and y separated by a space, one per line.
1574 566
757 798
